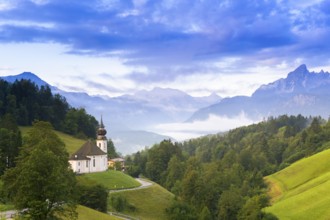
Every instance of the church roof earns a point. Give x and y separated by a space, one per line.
88 149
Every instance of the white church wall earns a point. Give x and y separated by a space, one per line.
98 163
80 166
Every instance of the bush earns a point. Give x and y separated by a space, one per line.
95 197
120 203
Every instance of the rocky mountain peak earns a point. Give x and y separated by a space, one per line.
300 73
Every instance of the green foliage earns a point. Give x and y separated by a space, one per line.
205 214
112 153
79 123
158 159
181 211
93 196
10 141
230 203
42 184
137 166
120 204
26 102
224 173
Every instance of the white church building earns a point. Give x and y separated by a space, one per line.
90 158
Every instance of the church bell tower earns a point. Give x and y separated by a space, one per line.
101 140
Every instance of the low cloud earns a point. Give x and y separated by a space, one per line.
213 124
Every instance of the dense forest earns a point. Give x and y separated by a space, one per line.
221 176
26 102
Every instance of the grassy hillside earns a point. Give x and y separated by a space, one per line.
150 203
86 213
301 191
72 144
111 179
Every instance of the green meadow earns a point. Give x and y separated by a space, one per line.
150 203
110 179
301 191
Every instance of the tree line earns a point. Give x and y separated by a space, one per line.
26 102
221 176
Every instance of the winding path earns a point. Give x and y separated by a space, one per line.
144 184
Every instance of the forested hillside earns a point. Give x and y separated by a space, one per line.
27 102
22 103
221 176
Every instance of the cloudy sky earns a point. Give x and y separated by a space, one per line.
111 47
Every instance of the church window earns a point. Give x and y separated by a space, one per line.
78 163
93 162
86 163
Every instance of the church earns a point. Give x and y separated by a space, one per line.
90 158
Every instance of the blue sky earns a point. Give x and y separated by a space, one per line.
112 47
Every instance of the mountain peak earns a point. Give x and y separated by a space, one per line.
299 73
301 68
27 76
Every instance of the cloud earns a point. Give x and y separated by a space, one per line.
174 39
213 124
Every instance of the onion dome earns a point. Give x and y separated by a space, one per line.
101 130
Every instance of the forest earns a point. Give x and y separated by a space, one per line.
22 103
26 103
221 176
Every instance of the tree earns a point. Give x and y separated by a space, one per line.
111 150
229 204
181 211
94 196
10 141
205 214
42 184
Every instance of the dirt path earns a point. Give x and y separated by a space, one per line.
144 184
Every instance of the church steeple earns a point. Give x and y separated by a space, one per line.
101 140
101 132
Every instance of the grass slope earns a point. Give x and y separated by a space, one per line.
301 191
111 179
72 144
85 213
150 203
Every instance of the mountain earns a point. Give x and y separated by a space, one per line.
301 92
25 75
130 118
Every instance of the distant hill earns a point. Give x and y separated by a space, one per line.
301 92
130 119
301 191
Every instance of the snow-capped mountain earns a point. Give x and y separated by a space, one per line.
301 92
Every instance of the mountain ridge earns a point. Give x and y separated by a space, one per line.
131 116
301 92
